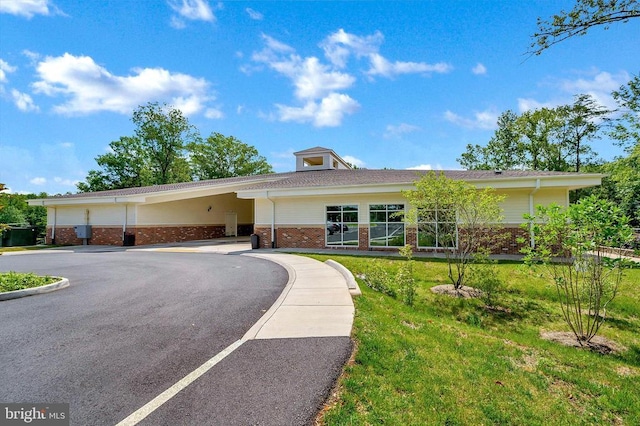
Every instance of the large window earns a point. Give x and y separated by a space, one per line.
437 229
386 228
342 225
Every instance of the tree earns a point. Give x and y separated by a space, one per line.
126 166
503 152
164 132
222 156
571 243
626 129
154 155
476 212
550 139
585 15
582 121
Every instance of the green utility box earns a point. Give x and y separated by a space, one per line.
19 236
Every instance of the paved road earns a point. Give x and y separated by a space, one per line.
133 323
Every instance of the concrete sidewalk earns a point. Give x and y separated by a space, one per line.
315 303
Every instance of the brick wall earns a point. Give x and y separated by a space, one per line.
105 235
314 237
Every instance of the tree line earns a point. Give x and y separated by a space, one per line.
166 148
559 139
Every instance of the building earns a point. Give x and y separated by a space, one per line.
323 204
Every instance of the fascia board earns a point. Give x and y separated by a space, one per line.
52 202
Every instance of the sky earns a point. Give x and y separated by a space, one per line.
395 84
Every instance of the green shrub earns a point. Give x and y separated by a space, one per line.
11 281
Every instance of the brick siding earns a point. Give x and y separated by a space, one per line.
313 237
105 235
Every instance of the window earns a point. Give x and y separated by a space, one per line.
342 225
386 228
437 229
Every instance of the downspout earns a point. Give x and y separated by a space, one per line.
124 224
53 228
531 212
273 221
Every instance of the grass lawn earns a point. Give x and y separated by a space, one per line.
10 281
449 361
25 248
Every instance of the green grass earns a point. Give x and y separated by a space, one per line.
450 361
25 248
10 281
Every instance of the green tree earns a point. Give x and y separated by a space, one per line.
154 155
164 133
503 152
552 139
626 128
585 15
477 212
582 122
571 243
126 166
222 156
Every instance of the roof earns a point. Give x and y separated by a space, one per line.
330 178
326 179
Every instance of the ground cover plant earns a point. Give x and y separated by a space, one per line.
10 281
449 361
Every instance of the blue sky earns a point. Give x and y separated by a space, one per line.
385 84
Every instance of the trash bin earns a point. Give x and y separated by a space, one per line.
255 241
129 240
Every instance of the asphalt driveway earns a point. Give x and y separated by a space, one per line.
130 325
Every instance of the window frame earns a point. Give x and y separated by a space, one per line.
437 224
387 222
353 226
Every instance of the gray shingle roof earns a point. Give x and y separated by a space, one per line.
319 178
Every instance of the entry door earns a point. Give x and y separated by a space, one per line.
231 224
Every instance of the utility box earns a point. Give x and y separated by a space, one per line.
83 231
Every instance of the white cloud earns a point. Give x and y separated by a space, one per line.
421 167
484 120
26 8
339 46
399 130
23 101
89 87
193 10
315 84
65 181
381 66
479 69
5 68
329 112
255 15
38 181
527 104
319 86
598 84
214 114
353 160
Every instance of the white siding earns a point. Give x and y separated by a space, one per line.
109 215
196 211
311 210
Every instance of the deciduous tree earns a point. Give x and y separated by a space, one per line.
222 156
585 15
477 213
571 243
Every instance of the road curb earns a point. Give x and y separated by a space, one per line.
58 285
352 284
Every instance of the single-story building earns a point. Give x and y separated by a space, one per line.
325 203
